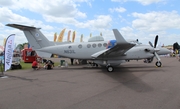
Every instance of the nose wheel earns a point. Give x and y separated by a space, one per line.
158 64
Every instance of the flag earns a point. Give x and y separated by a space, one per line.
68 38
61 35
4 41
8 53
74 35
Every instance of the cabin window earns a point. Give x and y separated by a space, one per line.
94 45
99 45
105 44
88 45
80 46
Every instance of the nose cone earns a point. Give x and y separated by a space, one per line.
163 51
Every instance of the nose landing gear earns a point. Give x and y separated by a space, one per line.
158 64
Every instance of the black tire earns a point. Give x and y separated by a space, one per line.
110 69
158 64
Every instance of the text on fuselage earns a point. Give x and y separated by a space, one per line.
69 51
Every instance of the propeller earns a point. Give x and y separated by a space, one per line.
150 44
156 40
155 50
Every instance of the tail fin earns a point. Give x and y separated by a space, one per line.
35 38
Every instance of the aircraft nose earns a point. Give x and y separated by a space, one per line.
163 51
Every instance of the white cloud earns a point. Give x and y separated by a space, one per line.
143 2
120 9
126 29
156 21
56 8
6 2
1 26
8 16
58 11
147 2
101 22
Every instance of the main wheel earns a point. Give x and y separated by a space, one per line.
110 68
158 64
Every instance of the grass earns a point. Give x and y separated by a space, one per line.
26 66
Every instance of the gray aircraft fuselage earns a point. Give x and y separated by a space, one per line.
86 49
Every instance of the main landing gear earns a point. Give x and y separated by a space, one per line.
110 68
158 64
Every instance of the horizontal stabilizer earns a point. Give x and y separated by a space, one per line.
21 27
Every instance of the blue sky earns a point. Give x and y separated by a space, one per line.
135 19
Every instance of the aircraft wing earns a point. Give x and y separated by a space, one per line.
118 50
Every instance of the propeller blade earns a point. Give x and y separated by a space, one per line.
150 44
156 40
157 56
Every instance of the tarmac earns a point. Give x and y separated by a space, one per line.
132 85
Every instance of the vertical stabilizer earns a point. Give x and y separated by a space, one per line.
34 36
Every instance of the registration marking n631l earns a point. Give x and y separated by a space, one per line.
69 51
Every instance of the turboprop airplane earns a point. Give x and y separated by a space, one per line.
105 53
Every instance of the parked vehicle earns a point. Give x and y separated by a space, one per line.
16 61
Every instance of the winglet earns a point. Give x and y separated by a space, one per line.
119 37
